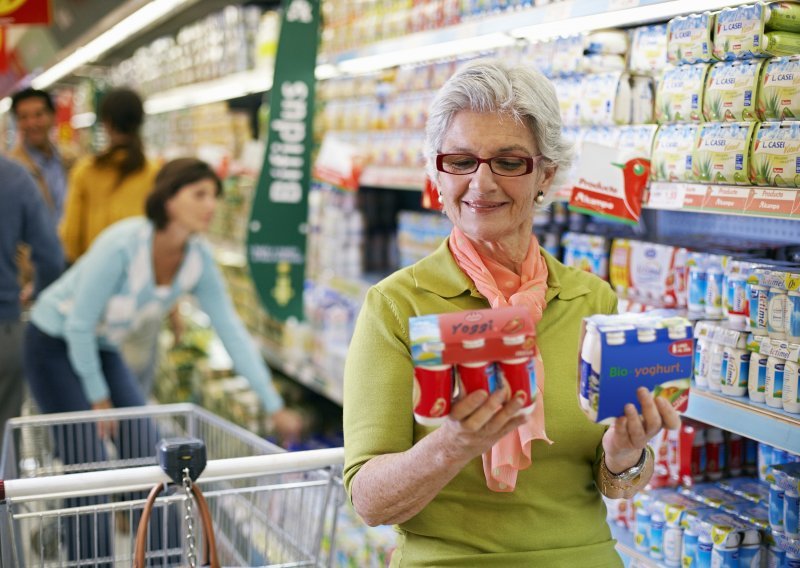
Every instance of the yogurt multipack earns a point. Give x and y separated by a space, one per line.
648 54
689 39
679 97
722 153
621 353
671 159
779 95
775 157
731 89
739 32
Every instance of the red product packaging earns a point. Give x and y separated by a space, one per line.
520 376
433 388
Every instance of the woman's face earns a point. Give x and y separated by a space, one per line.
192 207
484 205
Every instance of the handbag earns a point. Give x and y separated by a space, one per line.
209 554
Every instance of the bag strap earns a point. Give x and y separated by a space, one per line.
209 554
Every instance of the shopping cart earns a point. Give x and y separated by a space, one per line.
68 498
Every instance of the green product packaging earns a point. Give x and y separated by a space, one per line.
722 153
783 16
775 156
679 97
779 95
731 88
671 159
689 39
739 32
782 43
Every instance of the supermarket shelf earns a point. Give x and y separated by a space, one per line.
305 375
410 179
769 202
224 88
625 547
747 418
488 32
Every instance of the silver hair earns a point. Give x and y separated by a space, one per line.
490 85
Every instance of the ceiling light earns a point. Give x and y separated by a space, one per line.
140 20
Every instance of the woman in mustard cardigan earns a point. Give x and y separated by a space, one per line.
489 488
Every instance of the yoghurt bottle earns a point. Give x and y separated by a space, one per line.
757 377
777 303
773 391
791 396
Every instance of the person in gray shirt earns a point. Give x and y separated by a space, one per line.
24 219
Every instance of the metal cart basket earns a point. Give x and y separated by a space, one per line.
71 498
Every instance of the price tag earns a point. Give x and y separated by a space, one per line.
622 4
666 195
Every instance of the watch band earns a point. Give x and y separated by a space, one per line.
625 484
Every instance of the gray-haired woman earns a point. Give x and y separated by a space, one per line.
489 488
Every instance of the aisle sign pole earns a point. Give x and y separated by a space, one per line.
276 236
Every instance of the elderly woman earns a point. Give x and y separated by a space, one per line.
489 488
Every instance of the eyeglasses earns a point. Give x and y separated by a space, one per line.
508 166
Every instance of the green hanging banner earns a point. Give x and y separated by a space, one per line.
276 241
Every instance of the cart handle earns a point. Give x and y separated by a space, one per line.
139 478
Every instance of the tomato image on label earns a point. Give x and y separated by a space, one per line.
438 407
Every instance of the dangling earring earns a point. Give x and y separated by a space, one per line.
539 199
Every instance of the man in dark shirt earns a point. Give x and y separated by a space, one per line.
24 218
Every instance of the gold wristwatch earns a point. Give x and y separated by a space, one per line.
626 483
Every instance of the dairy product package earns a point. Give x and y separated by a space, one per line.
722 153
739 32
781 44
540 55
679 95
637 140
648 54
779 95
751 489
602 63
672 152
642 100
621 353
569 90
606 99
731 91
689 39
567 54
784 16
775 157
610 41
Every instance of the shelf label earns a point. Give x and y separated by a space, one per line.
667 195
772 201
694 196
276 237
730 199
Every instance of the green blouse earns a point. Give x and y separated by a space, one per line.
555 517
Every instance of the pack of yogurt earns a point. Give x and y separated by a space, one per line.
671 159
679 97
731 89
775 157
620 353
779 95
739 32
722 153
689 39
648 54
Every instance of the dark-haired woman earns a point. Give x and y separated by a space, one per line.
112 185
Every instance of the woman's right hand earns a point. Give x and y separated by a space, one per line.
479 420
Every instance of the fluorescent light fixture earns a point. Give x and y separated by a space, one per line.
140 20
425 53
629 16
222 89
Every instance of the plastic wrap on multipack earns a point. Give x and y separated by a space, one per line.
723 541
679 96
739 32
648 54
606 99
713 495
621 353
569 90
689 39
722 153
675 511
775 382
775 303
586 252
779 95
775 154
731 91
748 488
784 498
567 54
672 152
650 273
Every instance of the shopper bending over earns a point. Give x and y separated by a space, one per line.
135 272
494 148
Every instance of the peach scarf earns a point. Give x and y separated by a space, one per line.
512 453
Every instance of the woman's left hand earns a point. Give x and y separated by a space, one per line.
624 442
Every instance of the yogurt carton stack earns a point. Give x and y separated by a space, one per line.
722 362
784 509
621 353
774 303
774 373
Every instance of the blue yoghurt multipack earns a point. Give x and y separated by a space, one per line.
622 353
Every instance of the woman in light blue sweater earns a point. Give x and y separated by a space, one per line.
136 270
